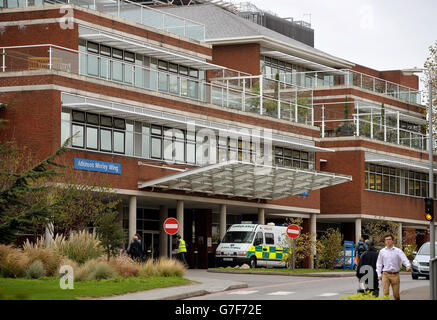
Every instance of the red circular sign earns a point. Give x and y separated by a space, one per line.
293 231
171 226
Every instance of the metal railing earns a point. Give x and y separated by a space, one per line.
130 11
317 79
252 94
370 121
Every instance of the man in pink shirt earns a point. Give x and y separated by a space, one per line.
388 266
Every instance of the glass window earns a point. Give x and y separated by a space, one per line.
105 140
156 130
92 118
106 121
91 138
183 70
118 142
156 148
194 73
117 53
162 65
93 66
93 47
269 238
129 56
173 67
191 153
105 51
168 149
129 143
78 116
78 136
117 71
179 151
119 123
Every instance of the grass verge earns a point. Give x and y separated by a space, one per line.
285 270
49 289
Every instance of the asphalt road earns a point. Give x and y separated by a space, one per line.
271 287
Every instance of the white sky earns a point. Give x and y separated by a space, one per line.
380 34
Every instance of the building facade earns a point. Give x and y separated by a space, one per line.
195 113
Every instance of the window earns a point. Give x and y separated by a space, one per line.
119 124
105 51
117 54
106 121
162 65
78 116
118 142
129 56
258 241
92 118
91 138
78 136
105 140
270 238
93 47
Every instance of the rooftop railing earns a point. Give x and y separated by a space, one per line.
253 94
372 121
318 79
130 11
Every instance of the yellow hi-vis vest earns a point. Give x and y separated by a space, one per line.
182 247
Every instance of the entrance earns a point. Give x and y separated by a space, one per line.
150 244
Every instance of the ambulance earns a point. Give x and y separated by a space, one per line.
254 244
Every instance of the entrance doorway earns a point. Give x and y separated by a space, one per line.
150 244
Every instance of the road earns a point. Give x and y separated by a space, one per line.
271 287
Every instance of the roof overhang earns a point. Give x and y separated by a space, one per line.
295 60
247 180
145 48
181 122
395 162
327 61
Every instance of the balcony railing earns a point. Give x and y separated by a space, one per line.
320 79
130 11
372 122
253 94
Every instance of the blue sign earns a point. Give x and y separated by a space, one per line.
304 194
98 166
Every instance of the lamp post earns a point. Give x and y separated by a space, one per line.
432 276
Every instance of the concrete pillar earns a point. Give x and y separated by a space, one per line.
261 216
400 235
222 221
163 236
313 233
132 217
180 216
357 229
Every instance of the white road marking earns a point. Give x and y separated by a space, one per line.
329 294
280 293
243 292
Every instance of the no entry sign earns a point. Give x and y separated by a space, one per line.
293 231
171 226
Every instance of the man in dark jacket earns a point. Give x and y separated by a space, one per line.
135 251
368 261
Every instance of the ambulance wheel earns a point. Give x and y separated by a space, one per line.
253 262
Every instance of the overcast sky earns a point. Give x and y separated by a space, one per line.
381 34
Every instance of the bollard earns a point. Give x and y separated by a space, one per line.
196 259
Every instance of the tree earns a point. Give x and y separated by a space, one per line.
377 229
431 74
110 231
329 248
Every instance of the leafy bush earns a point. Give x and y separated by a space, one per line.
36 270
364 296
329 248
79 247
409 249
13 263
38 252
125 266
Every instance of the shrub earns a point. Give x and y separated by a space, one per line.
67 262
36 270
170 267
49 259
148 269
95 270
79 247
364 296
13 263
125 266
329 248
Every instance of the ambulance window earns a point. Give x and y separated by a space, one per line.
270 238
258 239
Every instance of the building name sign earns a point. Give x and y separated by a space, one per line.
98 166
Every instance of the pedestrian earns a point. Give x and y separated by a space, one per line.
388 266
182 249
369 258
360 248
135 250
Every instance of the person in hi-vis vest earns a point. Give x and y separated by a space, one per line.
182 249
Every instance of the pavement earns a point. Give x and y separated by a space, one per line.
202 285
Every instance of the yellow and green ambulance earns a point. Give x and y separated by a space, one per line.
254 244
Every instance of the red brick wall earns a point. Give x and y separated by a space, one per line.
242 57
